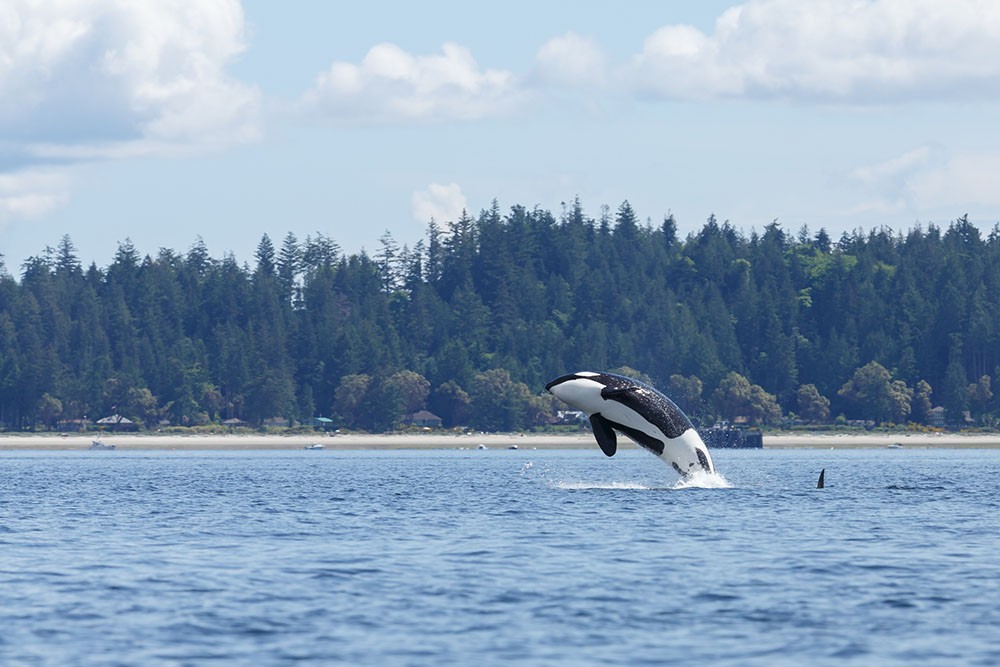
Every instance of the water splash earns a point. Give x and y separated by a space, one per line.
703 480
696 480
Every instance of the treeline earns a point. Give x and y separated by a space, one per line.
472 320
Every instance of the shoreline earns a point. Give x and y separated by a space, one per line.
428 441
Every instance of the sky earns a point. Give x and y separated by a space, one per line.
166 121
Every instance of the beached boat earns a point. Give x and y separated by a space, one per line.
315 445
97 444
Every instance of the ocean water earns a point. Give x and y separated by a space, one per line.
498 557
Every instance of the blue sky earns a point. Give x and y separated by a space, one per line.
165 121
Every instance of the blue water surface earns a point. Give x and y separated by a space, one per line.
498 557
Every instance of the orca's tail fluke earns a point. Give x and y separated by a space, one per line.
822 479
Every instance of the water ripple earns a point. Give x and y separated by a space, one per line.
445 558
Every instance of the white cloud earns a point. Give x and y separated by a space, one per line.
832 50
571 60
887 185
850 51
105 77
892 168
927 182
31 193
391 84
964 180
442 202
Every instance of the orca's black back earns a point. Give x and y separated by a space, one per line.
646 401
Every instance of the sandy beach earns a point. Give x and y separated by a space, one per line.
464 441
254 441
878 440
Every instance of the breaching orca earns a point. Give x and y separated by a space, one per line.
647 417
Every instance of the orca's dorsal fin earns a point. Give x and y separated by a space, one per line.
822 479
604 433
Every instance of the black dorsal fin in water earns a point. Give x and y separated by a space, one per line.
822 481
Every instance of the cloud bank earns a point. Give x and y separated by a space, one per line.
858 52
94 75
97 77
929 179
103 79
106 79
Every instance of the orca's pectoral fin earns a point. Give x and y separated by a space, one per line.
604 433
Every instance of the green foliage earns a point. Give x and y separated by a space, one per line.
813 407
451 403
732 397
736 397
498 403
383 406
487 308
876 395
921 405
764 408
49 409
349 398
980 395
901 396
412 389
686 393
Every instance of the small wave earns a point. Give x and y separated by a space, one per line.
607 486
344 572
908 487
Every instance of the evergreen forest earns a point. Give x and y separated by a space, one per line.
771 326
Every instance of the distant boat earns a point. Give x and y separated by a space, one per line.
894 445
315 445
97 444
